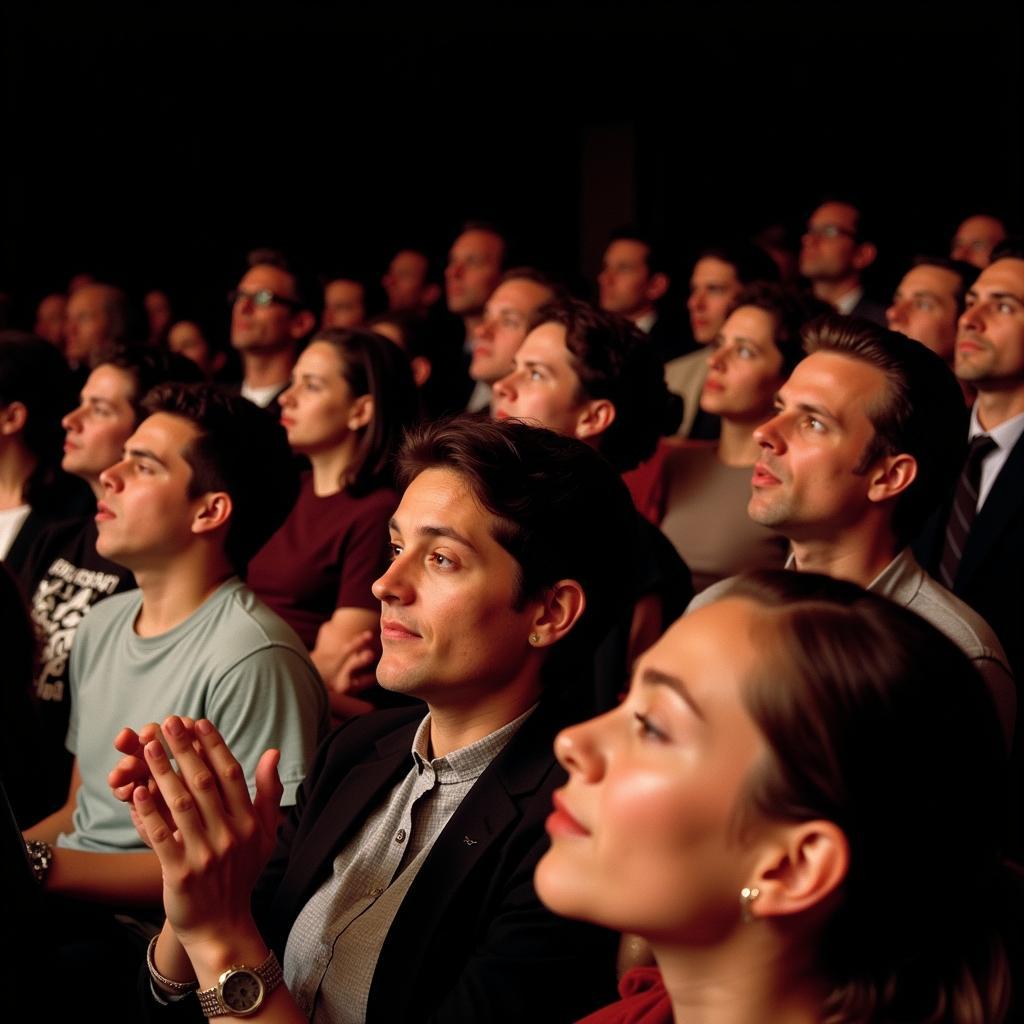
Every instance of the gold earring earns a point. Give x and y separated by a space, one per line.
747 897
534 638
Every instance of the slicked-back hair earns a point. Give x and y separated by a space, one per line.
1011 248
967 272
655 258
749 261
240 450
373 365
561 511
921 411
877 722
615 360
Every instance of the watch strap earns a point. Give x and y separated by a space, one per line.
269 972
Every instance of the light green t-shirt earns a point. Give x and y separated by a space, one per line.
232 661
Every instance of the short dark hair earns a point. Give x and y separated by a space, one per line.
656 260
790 309
749 261
865 227
304 287
877 722
922 412
966 272
240 450
147 367
615 360
373 365
558 505
490 228
1011 248
558 291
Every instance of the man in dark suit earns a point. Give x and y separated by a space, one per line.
401 888
975 546
835 251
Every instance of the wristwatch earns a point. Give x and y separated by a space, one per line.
40 857
241 990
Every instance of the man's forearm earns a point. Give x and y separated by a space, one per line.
122 878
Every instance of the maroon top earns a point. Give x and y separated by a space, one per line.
644 1001
325 556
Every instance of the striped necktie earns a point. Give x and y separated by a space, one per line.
965 508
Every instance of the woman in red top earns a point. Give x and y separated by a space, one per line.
351 398
799 807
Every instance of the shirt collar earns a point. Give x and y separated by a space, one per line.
1006 435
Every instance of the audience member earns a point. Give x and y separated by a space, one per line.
270 316
159 315
706 488
350 400
97 317
409 332
718 275
191 339
344 303
50 316
475 262
975 239
498 589
800 769
410 283
837 248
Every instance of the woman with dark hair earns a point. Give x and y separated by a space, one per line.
706 487
36 390
800 807
350 400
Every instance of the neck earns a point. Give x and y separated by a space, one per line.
171 593
996 407
832 291
331 468
742 981
453 727
639 314
17 464
265 369
857 555
736 444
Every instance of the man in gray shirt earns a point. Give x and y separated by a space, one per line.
867 439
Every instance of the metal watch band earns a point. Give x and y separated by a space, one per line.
269 972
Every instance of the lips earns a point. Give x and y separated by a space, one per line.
104 513
763 477
561 822
392 629
968 345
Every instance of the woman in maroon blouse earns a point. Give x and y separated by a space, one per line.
799 807
350 399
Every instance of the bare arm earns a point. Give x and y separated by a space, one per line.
345 654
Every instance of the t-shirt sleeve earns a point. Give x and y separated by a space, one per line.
271 698
365 554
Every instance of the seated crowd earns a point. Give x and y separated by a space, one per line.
503 655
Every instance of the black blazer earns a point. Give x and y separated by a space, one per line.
991 573
471 941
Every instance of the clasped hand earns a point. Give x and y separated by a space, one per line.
212 840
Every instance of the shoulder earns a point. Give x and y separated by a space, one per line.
686 369
111 612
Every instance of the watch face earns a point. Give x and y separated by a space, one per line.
241 991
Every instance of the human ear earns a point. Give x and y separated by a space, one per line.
802 866
302 323
213 510
361 412
421 370
559 610
864 255
657 286
891 476
596 416
13 418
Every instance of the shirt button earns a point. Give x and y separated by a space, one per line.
400 836
376 893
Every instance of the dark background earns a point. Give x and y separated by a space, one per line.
155 148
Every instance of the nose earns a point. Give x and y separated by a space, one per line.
769 435
111 479
394 586
73 420
579 748
485 329
716 358
695 302
505 388
896 314
287 397
970 318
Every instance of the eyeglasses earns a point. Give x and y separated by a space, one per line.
829 231
262 297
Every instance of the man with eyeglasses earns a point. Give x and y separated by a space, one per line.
269 318
834 253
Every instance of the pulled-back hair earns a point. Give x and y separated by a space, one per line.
921 413
561 510
878 723
615 360
241 450
373 365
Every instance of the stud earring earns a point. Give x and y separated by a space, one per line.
747 897
534 638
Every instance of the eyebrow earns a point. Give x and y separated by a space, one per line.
817 410
655 677
973 294
436 531
144 453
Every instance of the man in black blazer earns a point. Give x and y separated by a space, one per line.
388 898
975 545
